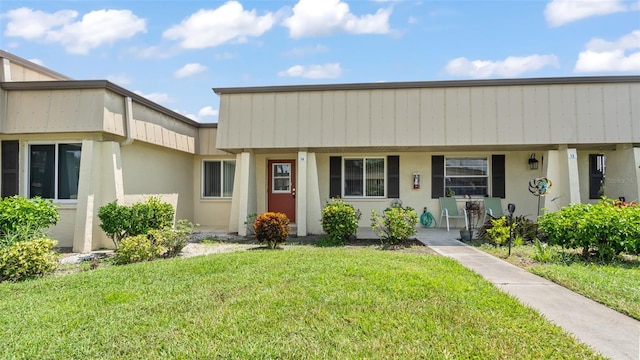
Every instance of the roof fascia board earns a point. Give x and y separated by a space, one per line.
431 84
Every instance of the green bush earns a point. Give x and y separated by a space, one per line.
605 229
136 249
499 231
172 240
395 225
339 221
28 259
271 228
24 219
120 221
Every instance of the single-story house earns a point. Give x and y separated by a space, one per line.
84 143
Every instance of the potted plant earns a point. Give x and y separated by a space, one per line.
472 209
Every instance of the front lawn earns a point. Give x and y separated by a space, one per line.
615 284
303 302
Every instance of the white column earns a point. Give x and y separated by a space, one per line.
314 207
301 194
243 202
100 182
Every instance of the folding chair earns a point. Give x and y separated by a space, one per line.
493 208
449 210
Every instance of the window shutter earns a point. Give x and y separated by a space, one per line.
595 177
335 176
10 164
393 177
498 176
437 176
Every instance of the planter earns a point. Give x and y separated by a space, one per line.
466 235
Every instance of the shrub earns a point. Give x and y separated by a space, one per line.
395 225
339 221
271 228
28 259
605 229
499 231
120 221
24 219
136 249
172 240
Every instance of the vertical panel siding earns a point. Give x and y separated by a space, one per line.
454 116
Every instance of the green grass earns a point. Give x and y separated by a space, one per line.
304 302
615 284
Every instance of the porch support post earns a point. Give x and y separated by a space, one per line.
314 207
244 201
301 193
571 158
99 183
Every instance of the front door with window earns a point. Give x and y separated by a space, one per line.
282 188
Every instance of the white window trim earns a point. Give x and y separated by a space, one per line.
221 161
487 176
364 178
27 171
273 183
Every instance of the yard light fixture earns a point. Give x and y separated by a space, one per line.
533 162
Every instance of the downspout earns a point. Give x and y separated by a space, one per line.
128 121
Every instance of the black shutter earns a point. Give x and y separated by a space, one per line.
437 176
335 176
498 176
595 177
10 163
393 177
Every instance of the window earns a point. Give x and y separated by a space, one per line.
597 165
364 177
54 171
466 176
217 178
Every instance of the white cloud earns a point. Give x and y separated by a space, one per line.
37 61
95 29
119 79
561 12
160 98
605 56
207 111
34 25
309 50
512 66
189 70
321 18
224 56
209 28
326 71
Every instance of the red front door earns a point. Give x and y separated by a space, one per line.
282 188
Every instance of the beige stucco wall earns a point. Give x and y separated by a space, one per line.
64 229
151 169
519 115
517 175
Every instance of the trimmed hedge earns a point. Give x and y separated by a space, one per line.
28 259
271 228
604 230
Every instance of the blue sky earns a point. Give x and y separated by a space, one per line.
174 52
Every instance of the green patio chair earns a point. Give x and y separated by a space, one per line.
493 208
449 210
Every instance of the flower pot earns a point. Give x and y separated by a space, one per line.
466 235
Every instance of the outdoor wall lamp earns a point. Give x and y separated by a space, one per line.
533 162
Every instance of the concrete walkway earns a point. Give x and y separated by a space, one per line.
612 334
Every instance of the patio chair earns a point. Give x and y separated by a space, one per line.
493 208
449 210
